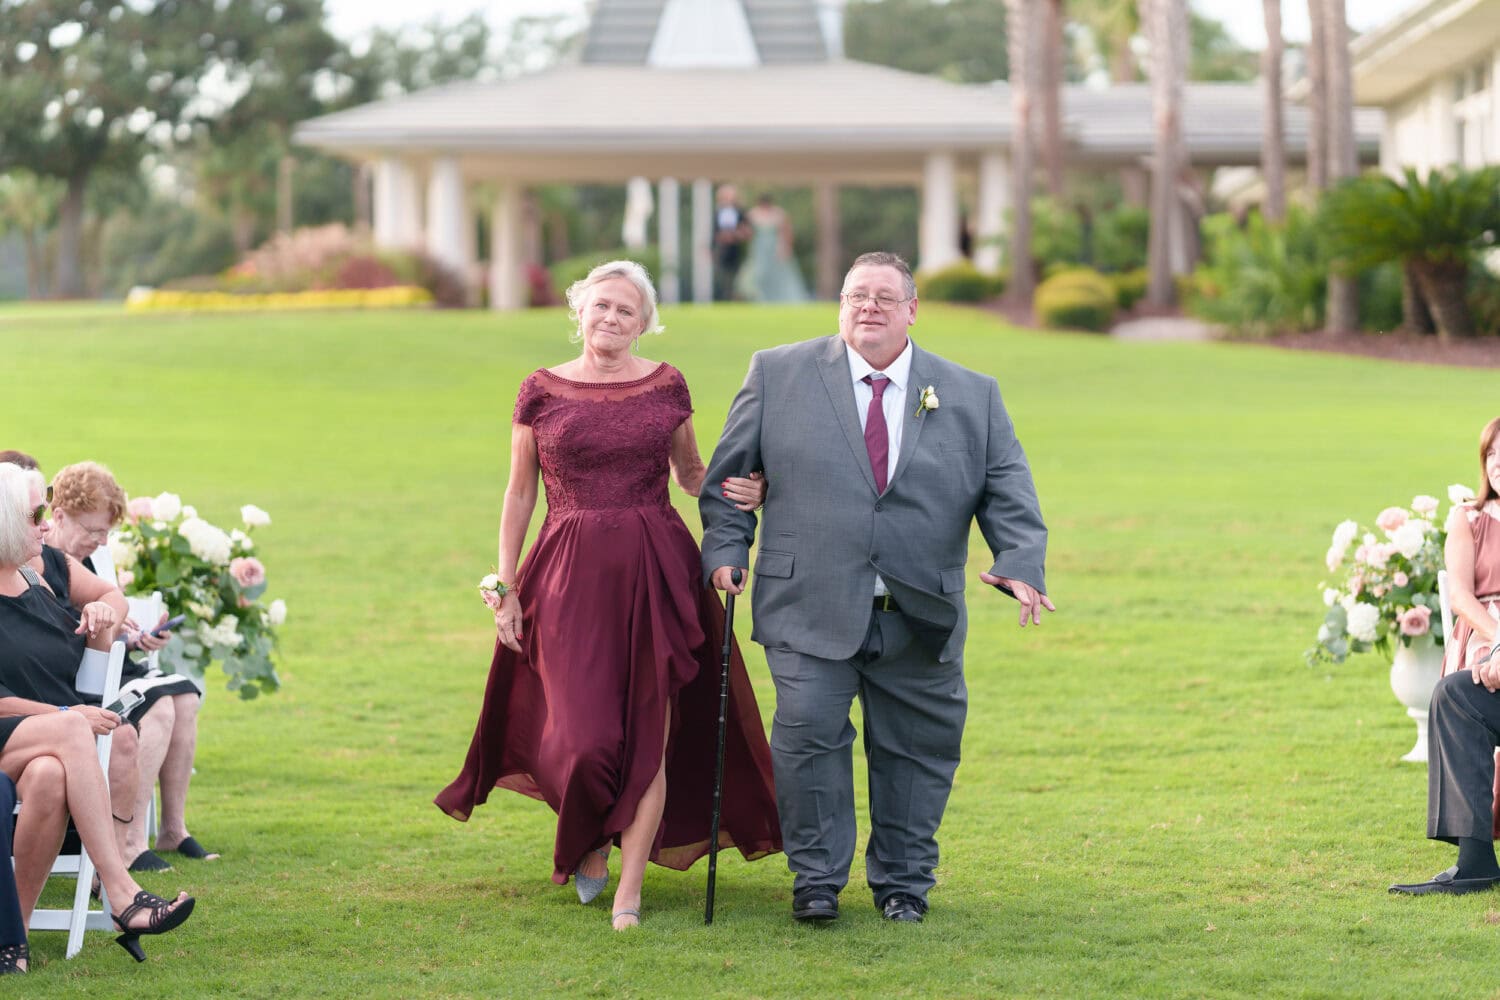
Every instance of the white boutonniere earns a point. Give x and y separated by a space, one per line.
926 400
492 590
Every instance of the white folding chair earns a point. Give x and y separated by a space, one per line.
80 917
146 611
104 564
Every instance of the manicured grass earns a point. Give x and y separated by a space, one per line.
1158 798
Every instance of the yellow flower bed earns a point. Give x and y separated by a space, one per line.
394 297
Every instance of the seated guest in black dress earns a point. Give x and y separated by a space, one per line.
86 504
43 642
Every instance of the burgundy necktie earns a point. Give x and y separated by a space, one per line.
877 442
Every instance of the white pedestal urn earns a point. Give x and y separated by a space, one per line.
1415 671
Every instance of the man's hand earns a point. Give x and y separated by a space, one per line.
1031 602
1486 669
722 582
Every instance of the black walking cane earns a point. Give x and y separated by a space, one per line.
713 842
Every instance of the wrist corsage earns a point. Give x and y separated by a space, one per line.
493 590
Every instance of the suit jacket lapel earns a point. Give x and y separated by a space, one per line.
912 422
834 369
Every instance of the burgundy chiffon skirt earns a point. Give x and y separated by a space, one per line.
621 648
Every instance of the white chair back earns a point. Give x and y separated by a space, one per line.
104 564
79 917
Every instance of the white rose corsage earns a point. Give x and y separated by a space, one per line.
926 400
492 590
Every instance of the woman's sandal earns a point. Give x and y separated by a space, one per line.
589 886
162 920
190 848
149 861
11 957
625 913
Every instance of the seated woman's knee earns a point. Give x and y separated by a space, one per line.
44 782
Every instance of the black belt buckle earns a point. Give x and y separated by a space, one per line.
885 603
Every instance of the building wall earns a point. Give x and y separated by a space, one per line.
1453 119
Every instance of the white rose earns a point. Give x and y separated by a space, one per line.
1409 539
121 553
1424 505
200 609
1347 602
1344 534
1362 621
1329 596
254 517
1334 557
205 541
166 506
490 582
276 614
188 510
244 541
224 632
1459 493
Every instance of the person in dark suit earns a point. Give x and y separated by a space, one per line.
878 457
731 231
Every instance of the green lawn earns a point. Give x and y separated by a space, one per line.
1158 798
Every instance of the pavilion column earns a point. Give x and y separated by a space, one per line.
989 213
450 228
703 239
668 241
507 268
937 238
635 230
827 279
397 206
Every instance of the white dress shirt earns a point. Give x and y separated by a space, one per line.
892 404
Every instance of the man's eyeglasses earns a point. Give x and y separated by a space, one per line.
883 302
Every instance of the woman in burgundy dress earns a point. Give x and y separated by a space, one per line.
603 692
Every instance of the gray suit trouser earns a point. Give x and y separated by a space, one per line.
914 710
1463 729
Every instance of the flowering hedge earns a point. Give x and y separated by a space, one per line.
393 297
1389 585
209 576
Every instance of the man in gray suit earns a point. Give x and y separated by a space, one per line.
878 456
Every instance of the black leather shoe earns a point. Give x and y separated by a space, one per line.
815 905
1447 882
903 908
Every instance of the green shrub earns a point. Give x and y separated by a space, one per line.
570 269
1130 286
1076 299
1117 241
1260 278
1056 234
958 282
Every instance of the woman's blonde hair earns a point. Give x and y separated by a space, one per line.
15 512
629 270
86 487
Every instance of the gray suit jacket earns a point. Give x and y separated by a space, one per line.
827 533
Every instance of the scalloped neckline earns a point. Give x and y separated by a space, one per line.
635 381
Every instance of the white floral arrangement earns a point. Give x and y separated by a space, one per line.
210 576
1388 588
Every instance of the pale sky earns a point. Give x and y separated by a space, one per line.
350 18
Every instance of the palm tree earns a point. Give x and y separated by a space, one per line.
1273 138
1317 97
1343 159
1434 228
1053 53
1166 22
1112 24
1022 31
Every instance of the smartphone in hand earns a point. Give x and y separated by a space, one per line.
124 703
168 625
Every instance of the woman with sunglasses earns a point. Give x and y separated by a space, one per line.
87 503
40 717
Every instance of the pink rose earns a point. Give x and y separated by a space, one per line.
1356 583
139 509
125 578
247 571
1400 579
1416 621
1379 590
1390 519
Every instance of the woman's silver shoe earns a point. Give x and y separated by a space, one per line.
589 886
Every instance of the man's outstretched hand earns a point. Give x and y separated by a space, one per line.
1030 600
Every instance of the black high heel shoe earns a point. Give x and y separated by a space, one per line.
162 920
11 957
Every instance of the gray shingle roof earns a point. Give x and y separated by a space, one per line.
784 31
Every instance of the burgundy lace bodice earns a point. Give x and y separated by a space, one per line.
604 445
